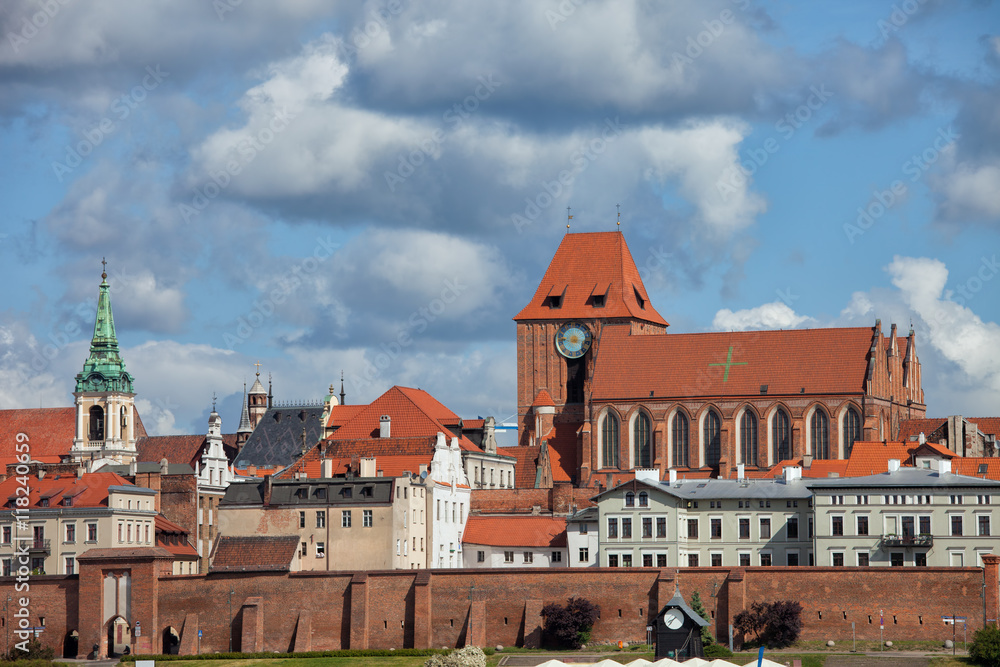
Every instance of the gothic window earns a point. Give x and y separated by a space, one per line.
820 430
96 423
680 433
748 438
852 430
640 436
712 438
576 373
782 436
609 440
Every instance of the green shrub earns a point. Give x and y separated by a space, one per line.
35 652
718 651
985 649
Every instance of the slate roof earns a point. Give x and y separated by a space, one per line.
180 448
809 361
678 601
277 438
515 531
90 490
254 554
588 264
906 477
734 488
50 432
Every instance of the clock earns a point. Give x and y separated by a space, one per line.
573 340
673 619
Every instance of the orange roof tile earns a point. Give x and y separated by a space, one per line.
872 458
50 432
817 469
562 451
90 490
912 428
827 361
971 466
543 399
254 554
515 531
585 265
988 425
935 448
525 466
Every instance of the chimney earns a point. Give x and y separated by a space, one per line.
367 466
41 474
422 469
921 438
383 426
326 468
164 465
807 461
133 468
673 477
651 475
792 473
267 490
739 470
893 465
944 467
79 472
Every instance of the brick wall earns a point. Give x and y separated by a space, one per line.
561 499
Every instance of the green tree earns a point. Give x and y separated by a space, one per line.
985 649
699 608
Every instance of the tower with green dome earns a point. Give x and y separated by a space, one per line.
105 400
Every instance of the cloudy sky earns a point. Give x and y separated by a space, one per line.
314 184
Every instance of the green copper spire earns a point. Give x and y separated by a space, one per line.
104 369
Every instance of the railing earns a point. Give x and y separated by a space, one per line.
39 545
907 540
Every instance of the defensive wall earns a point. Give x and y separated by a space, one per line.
280 611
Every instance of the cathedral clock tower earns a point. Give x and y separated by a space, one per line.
105 400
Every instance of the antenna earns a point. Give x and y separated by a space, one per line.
568 218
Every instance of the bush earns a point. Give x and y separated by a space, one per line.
985 649
569 626
773 624
718 651
35 652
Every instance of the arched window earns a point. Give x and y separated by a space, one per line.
680 433
712 438
748 438
820 429
96 423
629 499
609 441
852 430
782 436
643 499
640 436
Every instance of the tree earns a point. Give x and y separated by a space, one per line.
985 649
774 624
569 626
699 608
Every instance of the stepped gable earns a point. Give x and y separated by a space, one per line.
792 362
515 531
277 438
570 277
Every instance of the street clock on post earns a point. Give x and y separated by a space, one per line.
573 339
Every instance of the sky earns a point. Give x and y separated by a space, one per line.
376 188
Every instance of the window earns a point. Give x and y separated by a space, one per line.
744 560
612 560
647 560
584 555
863 524
629 499
748 438
862 559
644 499
692 560
716 560
765 529
320 550
91 532
852 430
792 528
70 565
508 556
626 528
983 500
304 550
956 500
712 438
680 434
626 560
528 557
640 435
715 526
744 528
984 525
820 430
302 519
583 528
956 525
782 436
612 527
7 534
366 518
896 559
647 526
345 519
556 556
920 559
661 526
610 427
836 525
810 528
838 559
321 519
71 532
765 559
925 525
692 529
792 558
661 560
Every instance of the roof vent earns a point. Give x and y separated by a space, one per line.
763 389
893 465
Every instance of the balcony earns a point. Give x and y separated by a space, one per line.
907 541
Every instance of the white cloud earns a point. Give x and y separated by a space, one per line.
970 190
776 315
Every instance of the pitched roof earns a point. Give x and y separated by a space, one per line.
587 265
810 361
173 538
254 554
972 465
89 490
515 531
393 456
912 428
871 458
525 466
277 438
562 451
543 399
50 432
821 468
988 425
174 448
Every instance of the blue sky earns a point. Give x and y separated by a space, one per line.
311 183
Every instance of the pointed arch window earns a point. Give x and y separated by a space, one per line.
680 434
852 430
713 438
640 436
782 436
610 432
748 438
96 423
820 430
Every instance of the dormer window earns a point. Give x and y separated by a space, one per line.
598 297
346 492
44 502
554 301
598 301
638 297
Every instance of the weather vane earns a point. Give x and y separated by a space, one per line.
213 401
619 207
568 218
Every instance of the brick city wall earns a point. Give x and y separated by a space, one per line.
433 608
561 499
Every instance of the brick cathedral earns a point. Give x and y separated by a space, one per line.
603 388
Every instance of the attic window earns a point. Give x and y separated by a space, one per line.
321 492
597 301
302 492
598 296
67 502
366 492
553 301
44 502
346 492
982 468
638 297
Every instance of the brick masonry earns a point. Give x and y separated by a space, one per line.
434 608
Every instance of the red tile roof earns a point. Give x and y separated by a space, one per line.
970 466
988 425
818 361
525 466
912 428
50 432
174 448
515 531
173 538
935 448
90 490
562 451
254 554
586 265
821 468
872 458
543 399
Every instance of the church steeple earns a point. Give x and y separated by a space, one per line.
104 369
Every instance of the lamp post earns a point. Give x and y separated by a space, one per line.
231 591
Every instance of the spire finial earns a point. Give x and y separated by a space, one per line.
213 401
104 269
258 364
619 207
568 218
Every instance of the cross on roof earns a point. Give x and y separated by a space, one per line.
258 364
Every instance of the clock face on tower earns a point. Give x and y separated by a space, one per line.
573 340
673 619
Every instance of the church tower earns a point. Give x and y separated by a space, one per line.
105 400
257 400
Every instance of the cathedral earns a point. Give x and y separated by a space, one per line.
603 388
